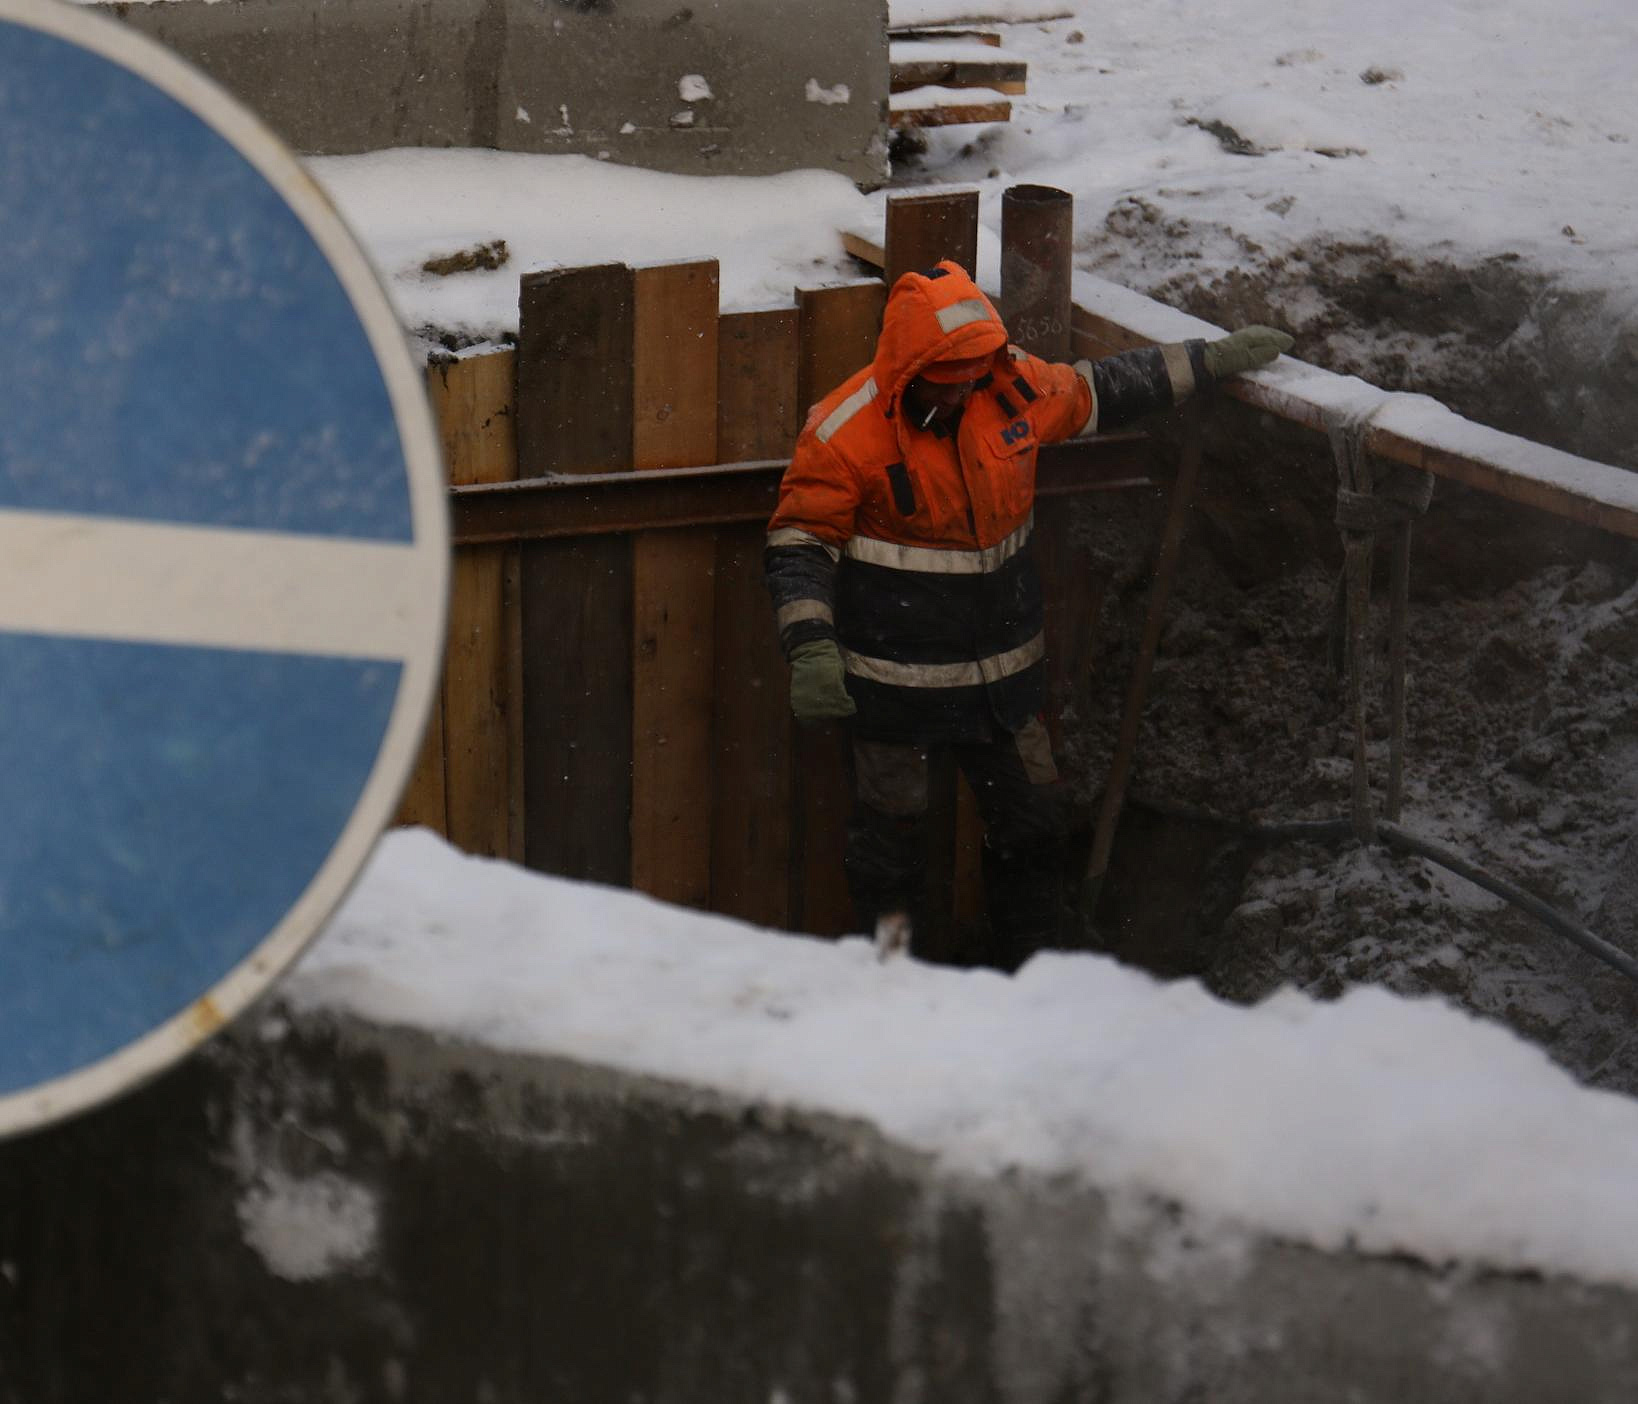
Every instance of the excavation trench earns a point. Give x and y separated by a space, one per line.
1522 673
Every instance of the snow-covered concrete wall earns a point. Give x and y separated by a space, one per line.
428 1203
714 87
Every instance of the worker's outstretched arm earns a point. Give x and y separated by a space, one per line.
1131 384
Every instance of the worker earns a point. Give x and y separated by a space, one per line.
906 592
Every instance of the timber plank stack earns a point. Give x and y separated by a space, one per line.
947 77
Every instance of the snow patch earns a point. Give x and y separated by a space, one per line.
830 97
1374 1121
307 1227
692 87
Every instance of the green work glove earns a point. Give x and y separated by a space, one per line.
1244 350
818 686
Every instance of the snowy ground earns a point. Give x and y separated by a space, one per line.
1439 200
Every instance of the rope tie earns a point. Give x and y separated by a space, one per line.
1369 501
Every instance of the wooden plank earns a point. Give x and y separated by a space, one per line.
673 631
575 415
950 114
674 365
837 328
836 335
473 401
422 802
577 690
758 411
574 370
922 229
1594 494
541 508
673 635
754 741
865 245
820 803
912 70
912 33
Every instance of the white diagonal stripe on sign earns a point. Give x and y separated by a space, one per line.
144 582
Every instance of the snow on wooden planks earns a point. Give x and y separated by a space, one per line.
945 78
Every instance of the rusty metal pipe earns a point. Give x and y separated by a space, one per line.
1037 253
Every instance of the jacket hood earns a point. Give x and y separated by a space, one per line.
939 315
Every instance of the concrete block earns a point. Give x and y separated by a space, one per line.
716 87
321 1209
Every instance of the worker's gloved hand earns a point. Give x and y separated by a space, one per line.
1245 350
818 682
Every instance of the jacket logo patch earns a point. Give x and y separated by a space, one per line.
1015 432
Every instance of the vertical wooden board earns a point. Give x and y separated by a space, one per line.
512 616
820 902
922 229
673 635
577 612
473 400
422 802
674 365
836 335
477 760
836 331
752 742
574 371
575 416
758 412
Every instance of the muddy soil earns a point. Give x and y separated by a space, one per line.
1522 748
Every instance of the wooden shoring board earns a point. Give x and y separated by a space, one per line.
473 402
575 339
837 328
951 114
542 508
1580 490
758 413
753 748
836 335
422 802
673 587
911 34
1009 76
922 229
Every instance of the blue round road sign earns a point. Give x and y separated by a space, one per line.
223 559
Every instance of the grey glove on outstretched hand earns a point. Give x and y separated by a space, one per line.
1244 350
819 682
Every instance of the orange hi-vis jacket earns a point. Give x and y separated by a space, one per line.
910 545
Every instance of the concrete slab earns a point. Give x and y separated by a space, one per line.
318 1208
714 87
